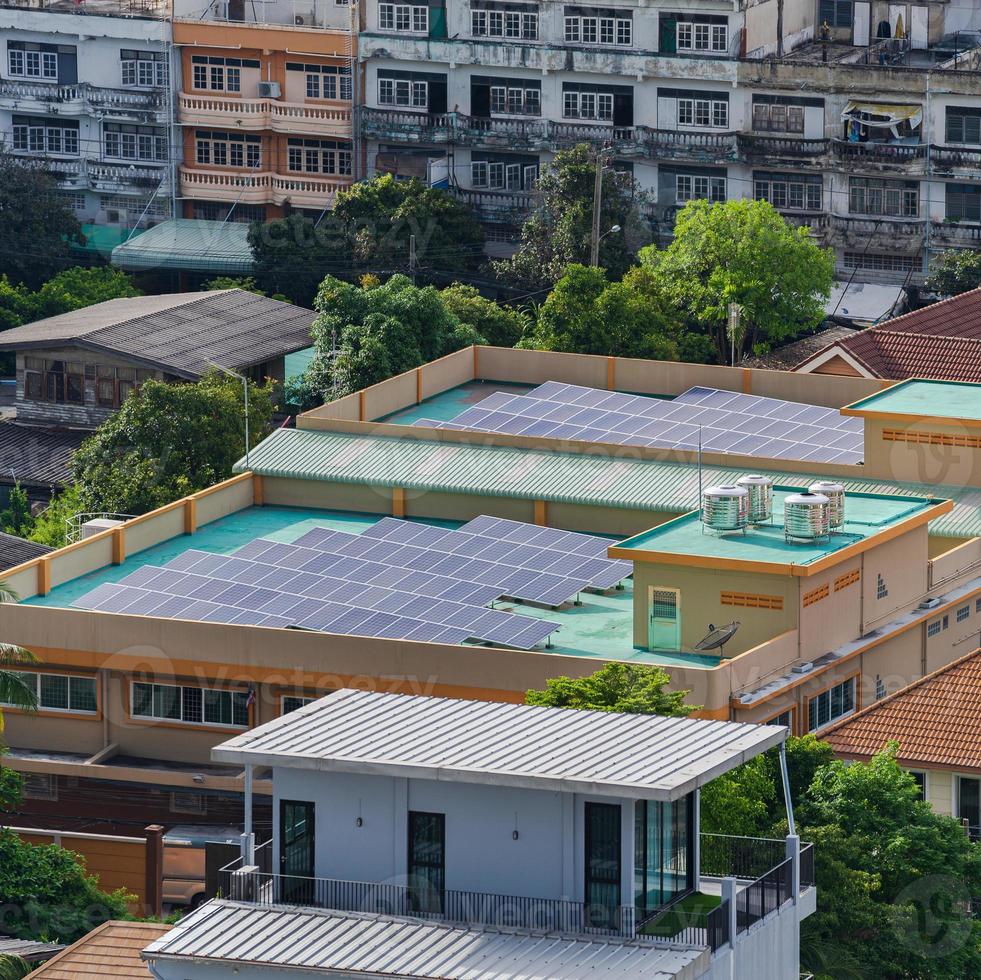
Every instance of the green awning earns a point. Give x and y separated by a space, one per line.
188 244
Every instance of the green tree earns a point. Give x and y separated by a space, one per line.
364 334
51 525
743 252
38 227
636 689
13 967
79 287
956 271
16 518
586 314
168 440
11 785
14 691
17 304
370 227
559 231
500 326
45 892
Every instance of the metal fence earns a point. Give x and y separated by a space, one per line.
765 895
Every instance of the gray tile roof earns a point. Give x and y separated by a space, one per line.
36 456
178 333
14 550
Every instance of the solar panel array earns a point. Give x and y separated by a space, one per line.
730 422
369 584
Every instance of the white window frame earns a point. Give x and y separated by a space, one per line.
144 147
848 683
181 721
403 18
33 64
330 160
295 697
38 674
145 73
48 139
701 37
596 106
606 31
403 93
700 187
695 113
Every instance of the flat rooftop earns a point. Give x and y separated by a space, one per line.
686 538
601 627
959 401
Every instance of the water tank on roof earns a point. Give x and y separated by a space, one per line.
806 516
835 493
760 489
725 508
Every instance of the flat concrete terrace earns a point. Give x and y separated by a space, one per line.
600 627
917 399
686 540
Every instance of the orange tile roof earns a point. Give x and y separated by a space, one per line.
936 720
111 950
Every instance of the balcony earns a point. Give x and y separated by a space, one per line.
955 234
82 173
761 870
317 119
950 159
79 99
787 150
671 144
497 207
300 190
901 157
878 232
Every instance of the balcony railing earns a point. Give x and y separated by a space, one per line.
259 114
689 145
81 96
761 148
955 233
499 207
882 153
260 188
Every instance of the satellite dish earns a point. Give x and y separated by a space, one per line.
716 639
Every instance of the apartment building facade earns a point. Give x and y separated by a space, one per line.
86 90
264 107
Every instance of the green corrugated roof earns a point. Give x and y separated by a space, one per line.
188 243
579 478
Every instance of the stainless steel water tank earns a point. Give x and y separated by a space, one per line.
725 508
835 493
760 496
806 515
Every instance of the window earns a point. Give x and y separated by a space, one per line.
920 778
662 832
712 113
227 149
427 861
403 17
39 786
219 74
945 621
76 201
696 188
27 60
144 69
835 13
776 118
516 100
789 192
587 105
503 175
785 718
62 692
516 24
190 705
182 801
134 206
54 381
608 29
403 92
963 202
45 136
873 195
963 613
112 384
880 587
880 688
830 705
312 156
324 81
292 703
977 605
126 142
882 262
933 629
963 125
701 36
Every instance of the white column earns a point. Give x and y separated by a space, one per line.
695 844
793 852
248 838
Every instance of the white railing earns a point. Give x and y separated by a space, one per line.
260 188
326 118
81 93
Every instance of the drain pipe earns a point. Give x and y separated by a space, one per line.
785 779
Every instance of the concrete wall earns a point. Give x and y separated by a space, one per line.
902 564
956 464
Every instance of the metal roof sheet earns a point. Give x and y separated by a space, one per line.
610 754
37 456
609 478
385 946
179 333
189 243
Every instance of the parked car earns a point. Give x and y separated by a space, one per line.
184 860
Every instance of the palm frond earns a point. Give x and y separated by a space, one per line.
12 655
7 594
13 967
16 692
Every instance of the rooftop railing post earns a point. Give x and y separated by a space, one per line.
793 852
729 887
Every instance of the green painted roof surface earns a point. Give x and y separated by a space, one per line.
601 479
865 515
930 399
188 243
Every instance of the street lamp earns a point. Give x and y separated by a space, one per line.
612 231
245 390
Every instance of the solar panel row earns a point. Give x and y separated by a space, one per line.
729 421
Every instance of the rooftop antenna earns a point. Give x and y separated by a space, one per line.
716 639
698 503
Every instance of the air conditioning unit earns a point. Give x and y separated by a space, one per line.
802 668
269 90
930 603
298 21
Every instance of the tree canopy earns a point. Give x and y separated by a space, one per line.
369 228
500 326
168 440
956 271
630 688
558 232
743 252
38 227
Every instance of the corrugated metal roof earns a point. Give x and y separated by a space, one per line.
605 479
179 333
189 243
638 756
28 949
14 550
36 456
385 946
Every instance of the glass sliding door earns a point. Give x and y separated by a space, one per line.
602 854
296 851
427 861
662 836
969 804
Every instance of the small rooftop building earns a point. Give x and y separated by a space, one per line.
533 841
76 368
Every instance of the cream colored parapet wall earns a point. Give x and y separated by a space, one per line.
954 563
508 364
40 575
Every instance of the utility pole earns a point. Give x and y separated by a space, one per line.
735 314
412 258
597 208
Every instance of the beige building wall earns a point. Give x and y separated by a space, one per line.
923 451
902 565
830 608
